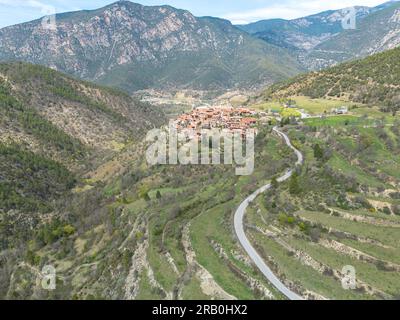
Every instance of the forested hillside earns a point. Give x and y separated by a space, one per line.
64 117
53 127
54 132
373 81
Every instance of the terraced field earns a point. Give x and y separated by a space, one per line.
344 212
166 232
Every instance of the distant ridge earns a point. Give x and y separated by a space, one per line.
320 40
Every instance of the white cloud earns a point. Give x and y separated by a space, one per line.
293 9
29 4
39 4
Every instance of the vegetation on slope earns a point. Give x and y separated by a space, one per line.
373 81
67 119
344 199
53 130
29 120
28 181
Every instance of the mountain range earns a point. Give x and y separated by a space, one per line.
320 40
135 47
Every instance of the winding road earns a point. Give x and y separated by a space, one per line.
244 241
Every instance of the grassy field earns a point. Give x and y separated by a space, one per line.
318 106
385 235
341 165
338 121
209 226
311 106
192 291
388 282
266 106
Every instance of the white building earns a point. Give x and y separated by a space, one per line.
341 110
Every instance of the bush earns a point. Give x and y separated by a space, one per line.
315 234
396 209
318 152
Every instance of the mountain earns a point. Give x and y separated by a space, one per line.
135 47
378 32
320 40
374 80
303 33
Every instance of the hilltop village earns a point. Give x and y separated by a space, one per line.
240 119
233 119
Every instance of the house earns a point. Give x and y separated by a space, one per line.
304 114
249 121
341 110
291 105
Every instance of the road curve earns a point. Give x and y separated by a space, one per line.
244 241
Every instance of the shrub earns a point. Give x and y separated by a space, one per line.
396 209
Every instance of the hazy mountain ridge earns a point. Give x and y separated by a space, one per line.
378 32
303 33
320 40
138 47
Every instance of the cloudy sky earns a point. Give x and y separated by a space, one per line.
238 11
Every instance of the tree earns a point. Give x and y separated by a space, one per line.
285 121
274 183
294 187
396 105
69 230
318 152
146 197
158 194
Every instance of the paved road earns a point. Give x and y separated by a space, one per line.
244 241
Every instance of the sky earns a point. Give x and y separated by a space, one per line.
238 11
